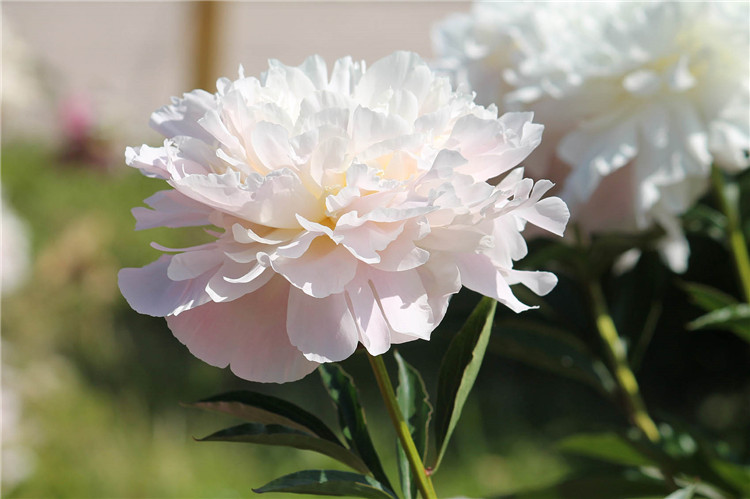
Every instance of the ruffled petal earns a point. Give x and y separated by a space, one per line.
245 335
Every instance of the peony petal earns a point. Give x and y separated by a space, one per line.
149 291
245 336
374 332
324 269
480 275
323 329
404 302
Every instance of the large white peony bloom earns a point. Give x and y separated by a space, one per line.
348 207
638 99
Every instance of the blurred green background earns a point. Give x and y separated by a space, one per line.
91 389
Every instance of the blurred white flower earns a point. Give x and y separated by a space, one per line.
638 99
14 249
349 207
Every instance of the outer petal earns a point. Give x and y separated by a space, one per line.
248 334
480 275
149 291
322 328
374 332
403 299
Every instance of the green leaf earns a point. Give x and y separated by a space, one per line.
552 349
259 408
630 484
459 370
702 219
341 388
609 447
735 318
273 434
328 483
413 401
706 297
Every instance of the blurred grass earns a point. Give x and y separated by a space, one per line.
100 384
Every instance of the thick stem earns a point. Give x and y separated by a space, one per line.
424 483
617 356
734 230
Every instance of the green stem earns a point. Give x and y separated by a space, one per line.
424 483
617 356
734 229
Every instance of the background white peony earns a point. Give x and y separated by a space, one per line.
638 99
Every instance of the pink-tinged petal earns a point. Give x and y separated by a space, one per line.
368 127
365 240
539 282
322 328
234 280
442 280
494 146
374 332
151 161
480 275
271 145
404 302
192 264
550 214
403 254
324 269
149 291
171 209
181 118
273 200
247 334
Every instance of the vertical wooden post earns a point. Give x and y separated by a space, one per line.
206 17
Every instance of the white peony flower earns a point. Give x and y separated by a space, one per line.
638 99
347 207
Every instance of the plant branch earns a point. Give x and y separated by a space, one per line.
424 483
734 231
618 359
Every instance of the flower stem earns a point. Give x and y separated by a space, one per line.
734 229
424 483
617 355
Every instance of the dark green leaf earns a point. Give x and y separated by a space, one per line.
609 447
735 318
415 407
328 483
459 370
259 408
352 418
705 220
553 349
706 297
630 484
273 434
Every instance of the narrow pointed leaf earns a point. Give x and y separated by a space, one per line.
553 349
735 318
459 370
328 483
706 297
609 447
415 407
260 408
273 434
341 388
